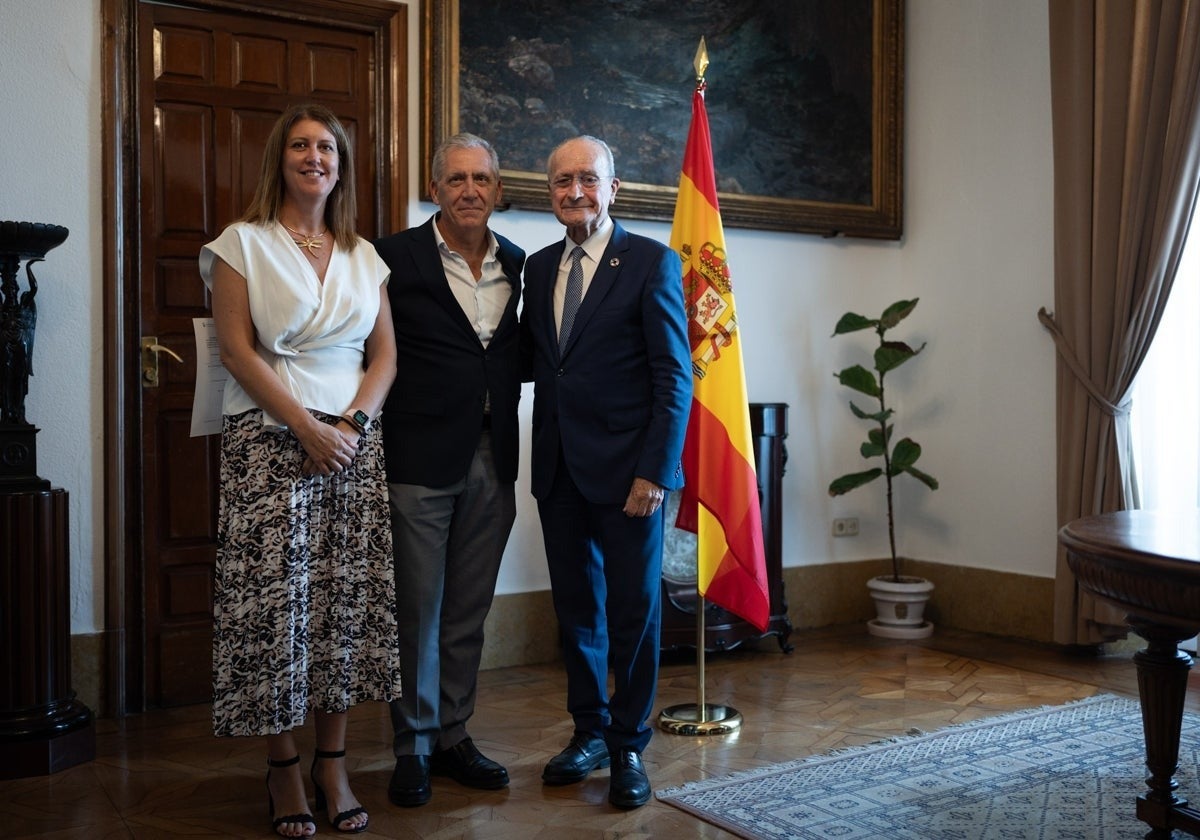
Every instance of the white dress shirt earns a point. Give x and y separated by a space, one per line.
593 248
483 300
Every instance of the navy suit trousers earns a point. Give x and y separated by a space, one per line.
605 574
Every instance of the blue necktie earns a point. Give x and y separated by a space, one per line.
572 296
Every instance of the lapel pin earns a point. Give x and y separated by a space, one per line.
614 262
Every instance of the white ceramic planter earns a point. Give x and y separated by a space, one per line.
900 607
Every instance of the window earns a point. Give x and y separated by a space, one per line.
1165 420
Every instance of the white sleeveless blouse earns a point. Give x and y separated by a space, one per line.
312 334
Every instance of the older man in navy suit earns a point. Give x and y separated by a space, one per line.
604 331
450 440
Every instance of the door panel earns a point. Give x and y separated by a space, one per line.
211 84
182 199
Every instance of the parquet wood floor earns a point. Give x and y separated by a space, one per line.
163 774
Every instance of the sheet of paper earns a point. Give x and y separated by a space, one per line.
210 380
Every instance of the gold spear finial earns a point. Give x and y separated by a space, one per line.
701 61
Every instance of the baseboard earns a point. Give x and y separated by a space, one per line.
89 670
521 628
975 600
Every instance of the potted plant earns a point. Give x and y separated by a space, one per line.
899 599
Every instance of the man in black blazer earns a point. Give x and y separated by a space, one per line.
450 441
611 366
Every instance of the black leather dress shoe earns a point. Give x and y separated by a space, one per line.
629 787
583 755
465 764
409 785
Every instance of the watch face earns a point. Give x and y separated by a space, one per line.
361 418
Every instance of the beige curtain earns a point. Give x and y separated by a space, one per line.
1124 79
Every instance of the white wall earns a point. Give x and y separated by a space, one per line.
50 173
977 251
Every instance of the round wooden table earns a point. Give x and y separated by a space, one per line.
1148 564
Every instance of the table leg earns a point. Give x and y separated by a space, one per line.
1162 671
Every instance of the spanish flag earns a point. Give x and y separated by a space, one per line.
720 500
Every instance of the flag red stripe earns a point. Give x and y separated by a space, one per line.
697 155
727 489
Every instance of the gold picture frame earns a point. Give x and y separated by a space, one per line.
835 158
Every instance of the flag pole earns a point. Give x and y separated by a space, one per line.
700 718
701 706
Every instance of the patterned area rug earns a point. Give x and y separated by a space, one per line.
1070 771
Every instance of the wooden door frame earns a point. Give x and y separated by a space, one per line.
124 588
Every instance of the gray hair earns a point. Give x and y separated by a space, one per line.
464 140
595 141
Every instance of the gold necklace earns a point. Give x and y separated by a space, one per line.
317 240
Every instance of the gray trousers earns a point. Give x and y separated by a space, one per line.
447 542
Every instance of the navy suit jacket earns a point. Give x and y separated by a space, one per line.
616 402
434 411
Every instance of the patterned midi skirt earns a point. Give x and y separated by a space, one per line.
304 606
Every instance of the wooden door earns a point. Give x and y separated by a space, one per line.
210 84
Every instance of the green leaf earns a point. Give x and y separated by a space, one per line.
891 354
851 322
871 450
905 455
897 312
923 477
848 482
878 416
880 438
860 379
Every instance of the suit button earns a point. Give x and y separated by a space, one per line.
559 372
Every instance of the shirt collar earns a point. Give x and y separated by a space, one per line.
492 247
594 245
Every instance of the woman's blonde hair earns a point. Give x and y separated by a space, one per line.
341 207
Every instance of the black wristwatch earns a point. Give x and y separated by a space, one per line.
359 420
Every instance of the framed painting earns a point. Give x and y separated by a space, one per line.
804 101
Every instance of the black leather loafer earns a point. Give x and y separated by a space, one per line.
629 786
409 785
583 755
465 764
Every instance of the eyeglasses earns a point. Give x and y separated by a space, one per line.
588 181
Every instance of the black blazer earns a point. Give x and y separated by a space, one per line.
434 412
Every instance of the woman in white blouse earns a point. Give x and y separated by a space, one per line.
304 600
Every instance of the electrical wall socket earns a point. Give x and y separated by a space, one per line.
845 527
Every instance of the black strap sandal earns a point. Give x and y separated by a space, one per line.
286 818
337 820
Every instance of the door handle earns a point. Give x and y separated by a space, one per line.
150 350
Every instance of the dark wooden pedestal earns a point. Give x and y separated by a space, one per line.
723 630
43 728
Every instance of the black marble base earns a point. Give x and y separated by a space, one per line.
47 754
18 459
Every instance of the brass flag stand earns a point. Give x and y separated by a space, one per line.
701 718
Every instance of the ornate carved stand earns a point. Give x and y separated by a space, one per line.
1162 686
43 728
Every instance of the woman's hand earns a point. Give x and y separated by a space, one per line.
330 449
